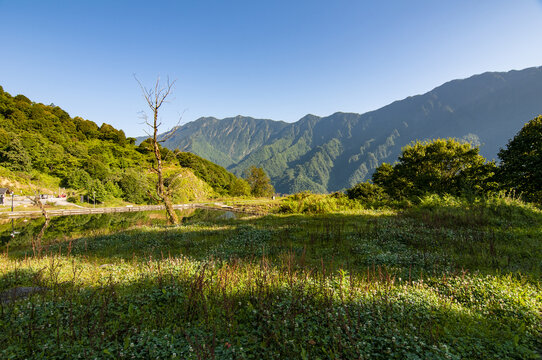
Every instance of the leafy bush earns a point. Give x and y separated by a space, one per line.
521 162
306 203
74 199
366 192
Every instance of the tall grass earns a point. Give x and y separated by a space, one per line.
306 203
380 285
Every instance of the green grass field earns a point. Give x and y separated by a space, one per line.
446 279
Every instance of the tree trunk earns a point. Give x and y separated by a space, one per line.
160 189
155 98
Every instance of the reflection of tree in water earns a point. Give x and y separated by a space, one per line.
7 230
70 226
37 246
67 226
36 242
62 227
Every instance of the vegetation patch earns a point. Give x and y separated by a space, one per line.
361 284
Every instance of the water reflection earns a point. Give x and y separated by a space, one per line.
24 231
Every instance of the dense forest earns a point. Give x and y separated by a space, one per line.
44 144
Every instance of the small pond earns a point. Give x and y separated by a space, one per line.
23 230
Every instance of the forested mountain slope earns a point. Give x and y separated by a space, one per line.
325 154
224 142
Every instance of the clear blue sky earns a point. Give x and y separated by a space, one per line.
260 58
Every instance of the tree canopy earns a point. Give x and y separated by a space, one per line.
260 184
521 162
441 166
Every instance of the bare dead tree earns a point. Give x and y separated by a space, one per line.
155 98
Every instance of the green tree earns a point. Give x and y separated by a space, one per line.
134 186
108 132
441 166
88 128
16 156
521 162
96 190
386 177
5 137
77 179
239 187
97 169
260 184
112 189
367 192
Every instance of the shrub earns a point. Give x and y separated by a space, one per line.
307 203
367 192
73 199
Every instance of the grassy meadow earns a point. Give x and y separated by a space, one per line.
317 278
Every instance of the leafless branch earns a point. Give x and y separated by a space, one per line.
168 135
157 96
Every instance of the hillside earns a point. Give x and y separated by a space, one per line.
324 154
224 142
42 148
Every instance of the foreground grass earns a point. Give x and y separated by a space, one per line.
446 280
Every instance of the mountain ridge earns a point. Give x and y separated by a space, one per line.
330 153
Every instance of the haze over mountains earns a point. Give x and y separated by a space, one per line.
324 154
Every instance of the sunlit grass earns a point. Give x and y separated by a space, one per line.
432 281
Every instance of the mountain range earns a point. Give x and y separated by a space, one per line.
325 154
